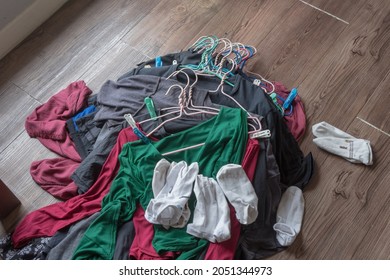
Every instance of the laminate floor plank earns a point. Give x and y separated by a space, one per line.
375 110
15 163
344 10
295 46
62 50
119 60
15 106
346 77
171 25
247 21
375 244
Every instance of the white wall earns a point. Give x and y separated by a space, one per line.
19 18
10 9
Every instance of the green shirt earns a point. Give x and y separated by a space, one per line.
224 137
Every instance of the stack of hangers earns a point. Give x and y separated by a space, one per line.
196 106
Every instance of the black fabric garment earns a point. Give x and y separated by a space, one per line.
258 240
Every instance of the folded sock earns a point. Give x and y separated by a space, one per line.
342 144
239 191
289 216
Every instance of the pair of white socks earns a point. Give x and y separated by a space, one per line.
212 214
342 144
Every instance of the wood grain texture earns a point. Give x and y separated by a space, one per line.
15 105
66 53
342 211
345 10
15 163
171 25
374 111
119 60
342 71
347 75
295 45
246 21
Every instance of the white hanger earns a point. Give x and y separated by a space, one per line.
184 101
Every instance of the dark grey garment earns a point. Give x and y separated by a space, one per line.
183 58
127 96
84 137
83 130
124 239
64 242
89 169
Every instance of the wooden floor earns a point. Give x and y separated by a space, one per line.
337 52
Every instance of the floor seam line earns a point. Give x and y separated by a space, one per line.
325 12
373 126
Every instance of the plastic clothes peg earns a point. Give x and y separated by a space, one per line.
150 106
159 62
129 118
290 98
275 101
261 134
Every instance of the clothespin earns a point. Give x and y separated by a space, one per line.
275 101
261 134
129 118
257 82
290 98
150 106
159 62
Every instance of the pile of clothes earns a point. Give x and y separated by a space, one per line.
185 156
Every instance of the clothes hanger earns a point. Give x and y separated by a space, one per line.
257 127
224 53
184 101
190 105
241 54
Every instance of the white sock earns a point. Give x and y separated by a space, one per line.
289 216
239 191
353 150
169 207
211 219
342 144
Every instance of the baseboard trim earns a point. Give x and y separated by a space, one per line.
25 23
